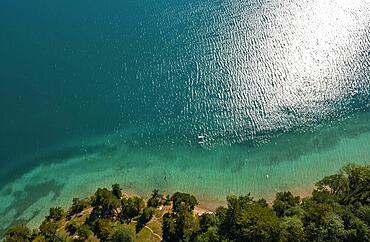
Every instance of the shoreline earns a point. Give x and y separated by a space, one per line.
210 205
210 175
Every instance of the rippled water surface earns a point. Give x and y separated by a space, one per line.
96 92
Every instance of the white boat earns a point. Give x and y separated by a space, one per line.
201 139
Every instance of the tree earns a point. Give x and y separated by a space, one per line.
357 230
144 218
316 213
358 183
180 225
117 191
71 228
323 196
167 201
186 199
78 205
363 213
83 232
49 230
121 235
247 220
292 230
131 208
105 203
335 184
101 228
335 230
169 227
206 221
315 220
155 200
211 235
283 202
19 233
55 214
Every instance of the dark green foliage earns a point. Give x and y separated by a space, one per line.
144 218
357 230
324 197
247 220
146 215
262 202
155 200
283 202
71 228
211 235
335 230
334 184
186 199
363 213
207 221
19 233
55 214
180 225
359 185
169 227
83 232
101 228
167 201
49 230
78 205
292 230
105 203
316 214
131 208
121 235
117 191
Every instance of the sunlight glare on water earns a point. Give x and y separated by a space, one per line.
280 65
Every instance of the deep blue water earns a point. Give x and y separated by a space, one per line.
238 72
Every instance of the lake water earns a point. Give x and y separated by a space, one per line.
95 93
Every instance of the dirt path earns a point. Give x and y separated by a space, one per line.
154 233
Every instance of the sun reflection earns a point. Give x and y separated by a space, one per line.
284 65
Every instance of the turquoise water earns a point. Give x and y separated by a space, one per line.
94 93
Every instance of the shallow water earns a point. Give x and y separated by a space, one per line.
95 93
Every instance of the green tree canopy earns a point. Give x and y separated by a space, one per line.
117 191
283 202
189 201
246 220
131 208
121 235
105 203
18 233
55 214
